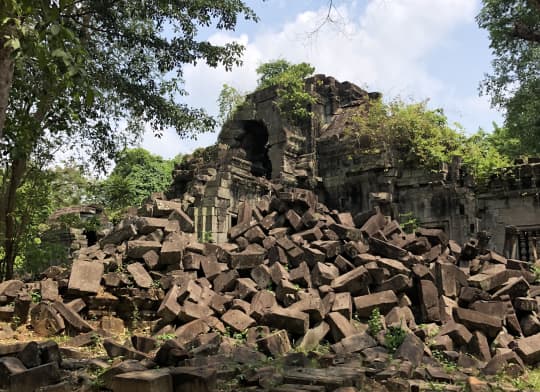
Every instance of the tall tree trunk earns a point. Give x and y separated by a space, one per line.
18 169
6 79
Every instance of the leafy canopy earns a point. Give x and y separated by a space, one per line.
422 137
514 84
229 100
90 75
137 174
82 67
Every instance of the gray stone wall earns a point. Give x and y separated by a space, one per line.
259 151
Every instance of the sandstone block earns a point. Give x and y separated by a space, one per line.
474 320
340 327
529 349
238 320
313 336
157 380
294 322
85 277
384 301
355 281
140 276
275 344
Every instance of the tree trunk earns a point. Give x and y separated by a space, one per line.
6 79
18 169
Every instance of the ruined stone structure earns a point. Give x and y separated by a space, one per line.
70 240
258 150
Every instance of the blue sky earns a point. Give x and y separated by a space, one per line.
415 49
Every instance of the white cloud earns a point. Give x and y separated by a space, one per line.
386 45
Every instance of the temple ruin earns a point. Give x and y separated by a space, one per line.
259 150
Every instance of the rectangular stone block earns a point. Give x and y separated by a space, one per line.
355 281
34 378
529 349
340 326
293 321
148 225
137 248
474 320
140 276
384 301
85 277
157 380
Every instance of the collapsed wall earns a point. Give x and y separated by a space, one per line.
258 146
292 277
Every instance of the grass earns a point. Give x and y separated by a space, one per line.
448 365
530 381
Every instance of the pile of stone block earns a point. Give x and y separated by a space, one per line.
29 366
293 277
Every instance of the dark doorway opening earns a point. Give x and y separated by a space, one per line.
254 141
91 237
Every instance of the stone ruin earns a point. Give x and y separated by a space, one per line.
284 292
299 297
257 147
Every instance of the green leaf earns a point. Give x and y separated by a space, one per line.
55 29
59 53
14 43
90 96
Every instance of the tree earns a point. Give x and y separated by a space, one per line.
514 85
418 135
137 174
72 72
288 78
228 101
421 137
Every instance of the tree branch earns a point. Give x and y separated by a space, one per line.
526 32
535 4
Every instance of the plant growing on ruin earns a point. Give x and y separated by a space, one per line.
408 222
394 337
206 237
448 365
293 100
419 136
535 269
374 322
229 100
15 322
35 295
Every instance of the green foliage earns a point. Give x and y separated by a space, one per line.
136 175
448 365
166 336
514 84
230 99
374 322
36 296
409 222
535 269
506 144
76 72
238 337
481 155
293 100
394 337
421 136
74 220
206 237
15 322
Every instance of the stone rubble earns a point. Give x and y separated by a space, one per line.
296 283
